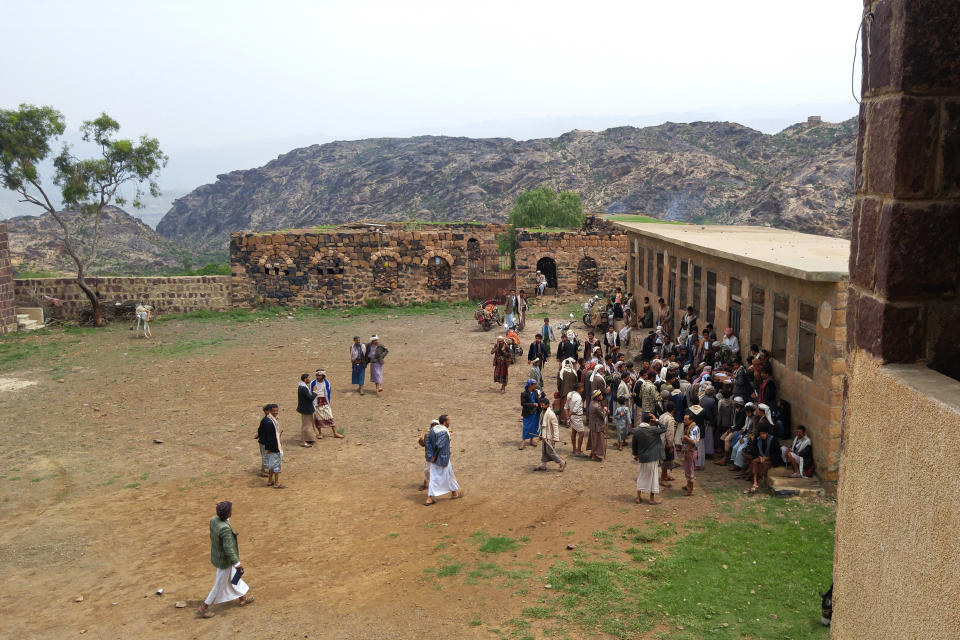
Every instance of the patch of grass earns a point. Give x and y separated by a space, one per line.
538 613
655 533
499 544
476 622
393 535
132 485
449 570
20 352
731 572
183 347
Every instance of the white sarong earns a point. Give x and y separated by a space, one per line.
648 477
223 590
442 480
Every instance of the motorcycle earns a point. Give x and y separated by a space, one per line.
588 309
487 314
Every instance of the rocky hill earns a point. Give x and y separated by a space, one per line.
127 245
800 178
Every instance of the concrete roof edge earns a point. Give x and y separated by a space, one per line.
800 274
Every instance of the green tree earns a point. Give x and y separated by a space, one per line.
542 207
87 186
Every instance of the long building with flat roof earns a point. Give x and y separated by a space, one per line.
781 290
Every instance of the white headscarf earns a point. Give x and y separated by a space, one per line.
766 412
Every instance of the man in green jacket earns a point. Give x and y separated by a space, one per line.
225 556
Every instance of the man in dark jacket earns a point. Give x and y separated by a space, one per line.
646 349
268 434
305 399
565 349
537 349
766 453
647 450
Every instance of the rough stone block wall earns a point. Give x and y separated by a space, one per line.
166 294
594 259
8 319
351 264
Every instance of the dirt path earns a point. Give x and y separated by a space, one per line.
92 507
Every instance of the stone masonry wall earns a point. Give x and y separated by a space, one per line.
8 319
351 264
165 294
586 261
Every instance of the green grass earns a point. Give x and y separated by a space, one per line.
498 544
771 558
183 347
639 218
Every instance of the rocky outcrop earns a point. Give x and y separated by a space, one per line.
127 245
800 178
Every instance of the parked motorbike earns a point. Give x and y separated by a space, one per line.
588 309
487 315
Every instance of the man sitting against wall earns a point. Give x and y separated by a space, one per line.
799 454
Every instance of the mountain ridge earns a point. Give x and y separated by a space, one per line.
800 178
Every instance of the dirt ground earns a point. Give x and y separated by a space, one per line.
92 507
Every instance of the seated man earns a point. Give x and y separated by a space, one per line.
799 454
765 451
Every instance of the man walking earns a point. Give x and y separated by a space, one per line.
549 436
537 350
225 556
442 479
305 399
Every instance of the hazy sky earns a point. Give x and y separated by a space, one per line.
209 73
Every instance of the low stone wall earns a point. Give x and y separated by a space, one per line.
8 318
165 294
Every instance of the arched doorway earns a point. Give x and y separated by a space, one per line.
548 267
588 276
438 273
386 274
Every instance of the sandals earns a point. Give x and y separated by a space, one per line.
429 504
207 614
306 446
246 601
279 486
751 490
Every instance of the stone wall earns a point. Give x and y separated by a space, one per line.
165 294
594 259
8 319
351 264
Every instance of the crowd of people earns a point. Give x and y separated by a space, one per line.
678 399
